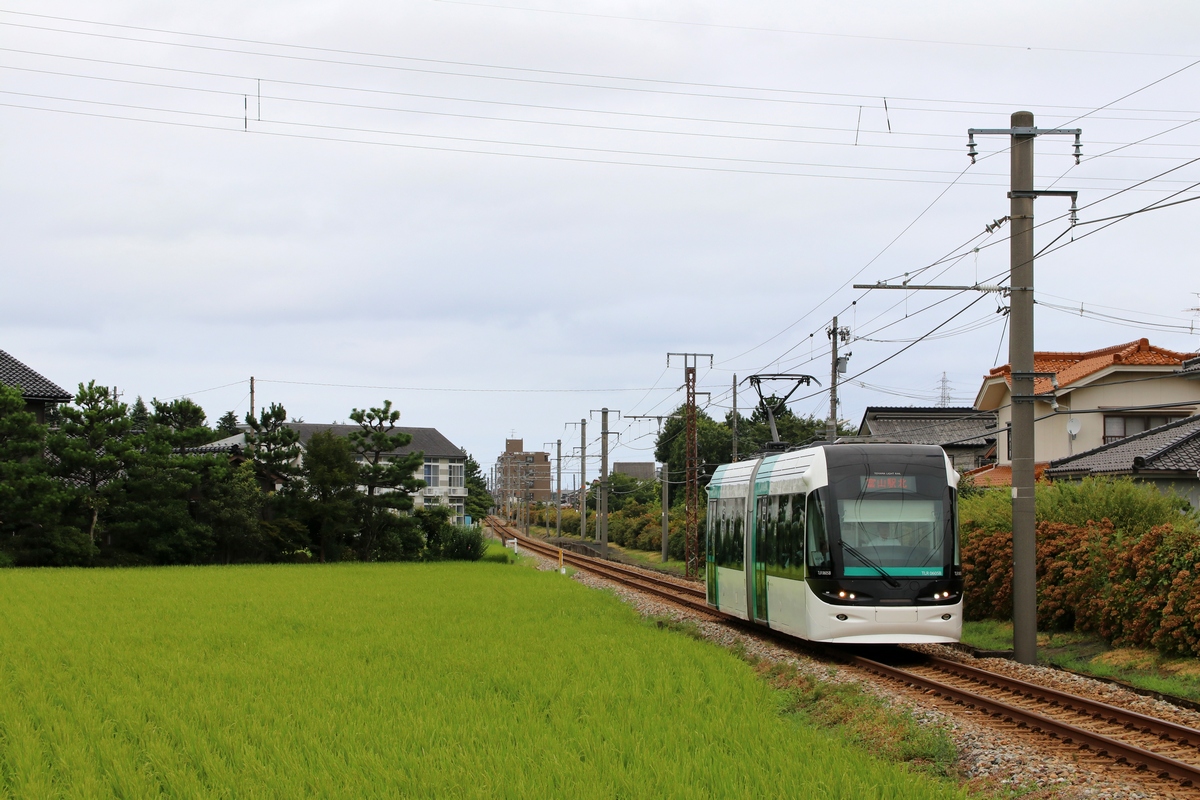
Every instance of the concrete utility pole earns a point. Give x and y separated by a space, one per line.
838 367
692 463
735 418
666 519
582 478
666 527
1021 365
252 411
558 493
602 500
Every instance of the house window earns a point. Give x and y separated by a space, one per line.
431 472
1117 428
456 476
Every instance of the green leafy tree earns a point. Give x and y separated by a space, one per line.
715 447
330 482
227 425
93 448
479 499
184 420
387 477
32 529
274 446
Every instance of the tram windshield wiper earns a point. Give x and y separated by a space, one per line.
892 582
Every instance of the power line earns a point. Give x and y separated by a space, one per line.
857 98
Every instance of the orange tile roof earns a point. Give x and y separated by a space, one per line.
994 475
1072 367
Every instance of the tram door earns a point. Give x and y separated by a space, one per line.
762 524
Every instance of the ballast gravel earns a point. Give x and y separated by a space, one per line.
991 756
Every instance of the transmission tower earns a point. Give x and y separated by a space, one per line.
692 462
944 385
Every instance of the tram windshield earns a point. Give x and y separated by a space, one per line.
893 518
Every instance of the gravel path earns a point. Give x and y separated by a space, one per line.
992 755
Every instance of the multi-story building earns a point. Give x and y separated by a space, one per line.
522 475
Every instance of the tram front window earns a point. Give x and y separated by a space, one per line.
891 520
904 537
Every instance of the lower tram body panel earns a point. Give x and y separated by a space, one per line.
793 608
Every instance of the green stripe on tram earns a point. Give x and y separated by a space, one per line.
894 572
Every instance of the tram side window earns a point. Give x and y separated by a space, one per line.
737 531
781 521
727 531
711 537
819 558
767 514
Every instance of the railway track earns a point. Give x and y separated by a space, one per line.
1158 747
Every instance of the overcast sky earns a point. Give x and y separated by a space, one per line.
411 200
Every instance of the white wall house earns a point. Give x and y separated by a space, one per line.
1095 398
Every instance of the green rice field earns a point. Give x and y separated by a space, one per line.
387 680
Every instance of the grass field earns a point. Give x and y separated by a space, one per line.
387 680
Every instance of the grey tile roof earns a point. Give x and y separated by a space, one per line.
962 427
1190 368
33 386
1174 446
426 440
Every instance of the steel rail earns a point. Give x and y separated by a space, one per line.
1094 708
690 596
1160 765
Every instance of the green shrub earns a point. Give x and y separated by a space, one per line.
1131 506
464 544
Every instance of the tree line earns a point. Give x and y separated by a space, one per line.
108 484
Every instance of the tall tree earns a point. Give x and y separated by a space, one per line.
275 446
227 425
330 480
32 529
139 414
387 477
93 447
479 499
184 420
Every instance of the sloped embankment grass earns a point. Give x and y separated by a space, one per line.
426 680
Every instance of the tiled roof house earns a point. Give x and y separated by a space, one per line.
1095 397
966 434
39 392
1168 456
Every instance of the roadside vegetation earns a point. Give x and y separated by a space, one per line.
1116 559
109 484
415 680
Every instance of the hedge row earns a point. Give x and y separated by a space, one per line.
1134 582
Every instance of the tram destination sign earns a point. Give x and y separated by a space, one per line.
888 483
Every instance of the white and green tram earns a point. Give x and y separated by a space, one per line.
847 543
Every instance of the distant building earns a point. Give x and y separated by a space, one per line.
444 469
40 393
966 434
642 470
522 475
